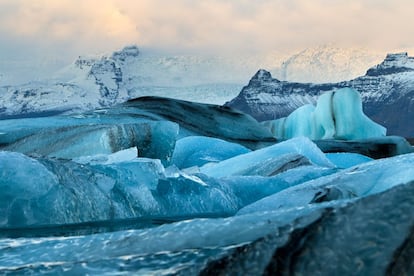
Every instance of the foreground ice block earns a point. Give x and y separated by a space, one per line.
278 155
370 236
249 189
57 192
153 140
199 150
337 115
358 181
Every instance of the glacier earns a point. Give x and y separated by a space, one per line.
164 186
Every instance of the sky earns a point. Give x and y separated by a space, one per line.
68 28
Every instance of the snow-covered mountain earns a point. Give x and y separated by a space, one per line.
328 63
94 82
101 81
387 92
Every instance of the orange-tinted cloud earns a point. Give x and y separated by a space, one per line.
209 25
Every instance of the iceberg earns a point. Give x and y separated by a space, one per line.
152 139
337 115
199 150
64 192
205 120
270 160
359 181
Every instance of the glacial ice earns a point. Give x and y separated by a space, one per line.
69 192
377 225
269 159
355 182
199 150
344 160
337 115
205 119
153 140
379 147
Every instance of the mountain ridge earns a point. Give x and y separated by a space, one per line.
387 92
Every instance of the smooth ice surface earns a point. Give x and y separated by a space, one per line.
279 155
337 115
22 179
119 156
199 150
345 160
350 120
299 122
323 120
358 181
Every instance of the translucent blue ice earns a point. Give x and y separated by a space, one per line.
48 191
337 115
299 122
275 156
249 189
358 181
153 139
350 120
344 160
199 150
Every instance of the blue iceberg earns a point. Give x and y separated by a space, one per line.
200 150
337 115
269 160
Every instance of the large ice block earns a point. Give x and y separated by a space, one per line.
350 120
337 115
199 150
358 181
57 192
278 155
153 140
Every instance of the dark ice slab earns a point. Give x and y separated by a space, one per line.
380 147
371 236
206 119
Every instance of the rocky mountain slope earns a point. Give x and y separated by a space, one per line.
387 92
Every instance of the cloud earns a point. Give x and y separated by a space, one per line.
87 26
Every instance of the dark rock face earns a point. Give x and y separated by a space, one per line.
387 92
108 87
